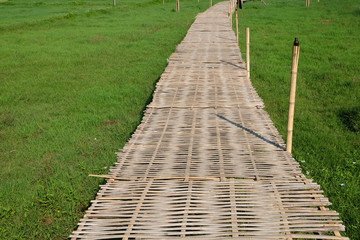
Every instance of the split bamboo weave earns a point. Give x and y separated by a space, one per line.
206 161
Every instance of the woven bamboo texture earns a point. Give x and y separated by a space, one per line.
206 161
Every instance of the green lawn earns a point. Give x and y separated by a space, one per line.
327 110
75 78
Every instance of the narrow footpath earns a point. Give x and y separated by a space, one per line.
206 162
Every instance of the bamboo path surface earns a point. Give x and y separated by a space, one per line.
206 161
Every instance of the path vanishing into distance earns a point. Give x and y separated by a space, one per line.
206 162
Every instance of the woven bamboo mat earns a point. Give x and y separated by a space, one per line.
206 161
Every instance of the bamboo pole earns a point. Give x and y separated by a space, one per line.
294 67
229 8
248 52
230 12
210 4
114 2
307 3
237 28
177 5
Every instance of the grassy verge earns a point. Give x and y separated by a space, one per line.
75 77
327 111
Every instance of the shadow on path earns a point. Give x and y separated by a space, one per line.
252 132
233 64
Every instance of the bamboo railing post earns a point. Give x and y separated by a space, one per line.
210 4
294 67
237 27
307 3
177 5
230 12
248 52
114 3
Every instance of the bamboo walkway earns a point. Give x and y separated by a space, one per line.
206 162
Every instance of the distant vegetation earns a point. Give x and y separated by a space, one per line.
327 109
75 77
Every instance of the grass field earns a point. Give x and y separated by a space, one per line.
327 110
75 78
76 75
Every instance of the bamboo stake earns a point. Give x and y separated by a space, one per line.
177 5
307 3
237 28
294 67
248 52
229 10
210 3
114 2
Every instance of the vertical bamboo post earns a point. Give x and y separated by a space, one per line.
210 4
307 3
114 3
229 10
237 27
177 5
294 67
230 6
248 52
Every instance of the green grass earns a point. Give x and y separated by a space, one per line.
75 78
327 112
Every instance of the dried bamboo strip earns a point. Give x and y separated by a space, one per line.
136 212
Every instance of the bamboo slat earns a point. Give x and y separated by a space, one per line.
237 208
